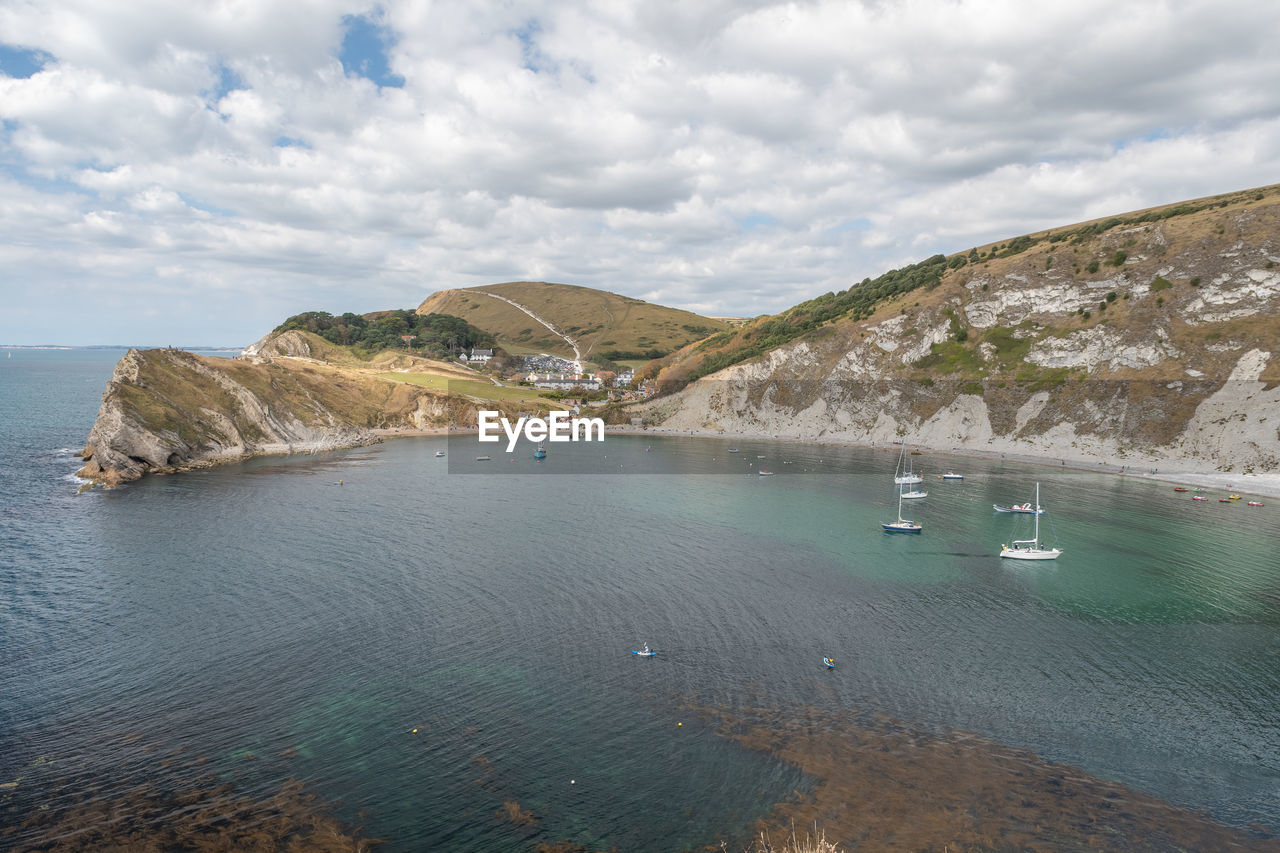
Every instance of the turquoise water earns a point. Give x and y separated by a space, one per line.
262 609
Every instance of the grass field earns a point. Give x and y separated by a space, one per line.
470 387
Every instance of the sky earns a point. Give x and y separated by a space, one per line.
193 173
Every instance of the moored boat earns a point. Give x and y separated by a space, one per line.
1180 489
1023 508
1199 498
914 494
1255 503
903 475
951 475
902 525
1030 549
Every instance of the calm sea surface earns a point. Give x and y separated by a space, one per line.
264 610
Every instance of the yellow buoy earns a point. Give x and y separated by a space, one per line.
415 731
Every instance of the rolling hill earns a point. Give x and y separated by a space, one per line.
603 325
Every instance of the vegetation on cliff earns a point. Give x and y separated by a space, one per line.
431 335
1130 254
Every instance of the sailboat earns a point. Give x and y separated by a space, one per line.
903 475
902 525
1029 549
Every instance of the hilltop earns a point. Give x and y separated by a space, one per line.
605 326
1148 337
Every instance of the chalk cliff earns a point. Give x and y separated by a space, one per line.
170 410
1147 339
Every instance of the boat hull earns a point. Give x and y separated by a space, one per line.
895 527
1030 553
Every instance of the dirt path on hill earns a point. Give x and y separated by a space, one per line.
577 353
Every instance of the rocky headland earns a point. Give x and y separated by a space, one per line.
168 410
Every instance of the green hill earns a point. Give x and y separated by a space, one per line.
604 325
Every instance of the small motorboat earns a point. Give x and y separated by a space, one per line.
439 453
734 450
1199 498
1199 489
482 458
1256 503
760 457
951 475
1023 508
829 663
1224 500
540 453
764 473
1233 497
646 652
1180 489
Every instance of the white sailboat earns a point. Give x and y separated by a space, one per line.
903 476
902 525
1029 549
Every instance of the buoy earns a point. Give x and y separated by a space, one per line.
573 781
679 724
415 731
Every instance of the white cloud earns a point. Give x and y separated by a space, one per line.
725 157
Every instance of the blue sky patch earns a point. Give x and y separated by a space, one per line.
531 56
21 63
207 208
290 142
41 184
756 219
364 51
228 81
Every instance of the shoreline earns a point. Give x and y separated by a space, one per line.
1258 485
1255 485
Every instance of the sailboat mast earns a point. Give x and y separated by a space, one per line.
1037 514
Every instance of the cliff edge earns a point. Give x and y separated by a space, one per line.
169 410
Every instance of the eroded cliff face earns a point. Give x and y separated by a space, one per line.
170 410
1151 344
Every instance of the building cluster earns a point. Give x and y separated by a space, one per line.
589 381
477 356
550 364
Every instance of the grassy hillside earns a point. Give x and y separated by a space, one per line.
1134 252
605 325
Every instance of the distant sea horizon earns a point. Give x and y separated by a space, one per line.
188 348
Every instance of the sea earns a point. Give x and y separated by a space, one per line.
440 649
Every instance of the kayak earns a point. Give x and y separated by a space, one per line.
829 663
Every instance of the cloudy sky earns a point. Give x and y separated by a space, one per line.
194 172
